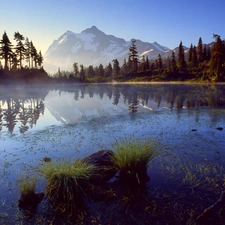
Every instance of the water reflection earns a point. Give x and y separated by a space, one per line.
20 108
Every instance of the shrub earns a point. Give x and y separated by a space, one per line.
66 183
132 156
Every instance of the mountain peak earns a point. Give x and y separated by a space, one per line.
93 30
92 47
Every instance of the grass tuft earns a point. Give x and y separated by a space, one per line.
66 182
27 185
132 156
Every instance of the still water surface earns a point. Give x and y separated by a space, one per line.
74 121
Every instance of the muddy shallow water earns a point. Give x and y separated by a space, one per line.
75 121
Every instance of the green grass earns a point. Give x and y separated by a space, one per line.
66 181
132 156
27 185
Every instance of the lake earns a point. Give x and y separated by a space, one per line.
74 121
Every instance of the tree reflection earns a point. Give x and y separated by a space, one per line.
23 117
10 115
21 113
24 112
133 107
116 96
20 108
169 95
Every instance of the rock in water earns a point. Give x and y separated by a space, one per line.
106 168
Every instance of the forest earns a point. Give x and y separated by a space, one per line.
201 63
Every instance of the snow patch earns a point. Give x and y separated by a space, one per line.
146 52
75 48
88 40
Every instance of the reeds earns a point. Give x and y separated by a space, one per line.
132 156
66 183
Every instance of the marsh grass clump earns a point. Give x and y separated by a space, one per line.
66 184
132 156
27 185
29 199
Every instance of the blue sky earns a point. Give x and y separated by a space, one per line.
166 21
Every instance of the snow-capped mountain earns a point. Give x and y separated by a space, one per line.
92 47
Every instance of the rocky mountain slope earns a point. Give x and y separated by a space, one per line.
92 47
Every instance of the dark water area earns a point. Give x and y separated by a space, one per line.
74 121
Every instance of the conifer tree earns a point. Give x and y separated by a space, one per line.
96 71
5 49
173 63
13 61
217 61
143 64
129 66
200 58
181 64
133 56
109 70
125 67
190 55
75 69
116 67
20 49
27 52
40 59
34 55
91 72
82 73
159 62
204 53
147 64
194 56
101 71
152 66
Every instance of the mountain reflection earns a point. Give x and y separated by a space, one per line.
20 108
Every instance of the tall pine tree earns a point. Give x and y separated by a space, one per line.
133 56
181 64
20 49
200 52
217 61
5 49
116 67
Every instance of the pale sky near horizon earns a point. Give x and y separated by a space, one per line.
165 21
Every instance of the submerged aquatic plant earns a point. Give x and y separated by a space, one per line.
66 183
132 156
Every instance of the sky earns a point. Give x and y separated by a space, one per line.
165 21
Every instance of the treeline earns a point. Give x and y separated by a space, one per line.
14 56
200 63
20 61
